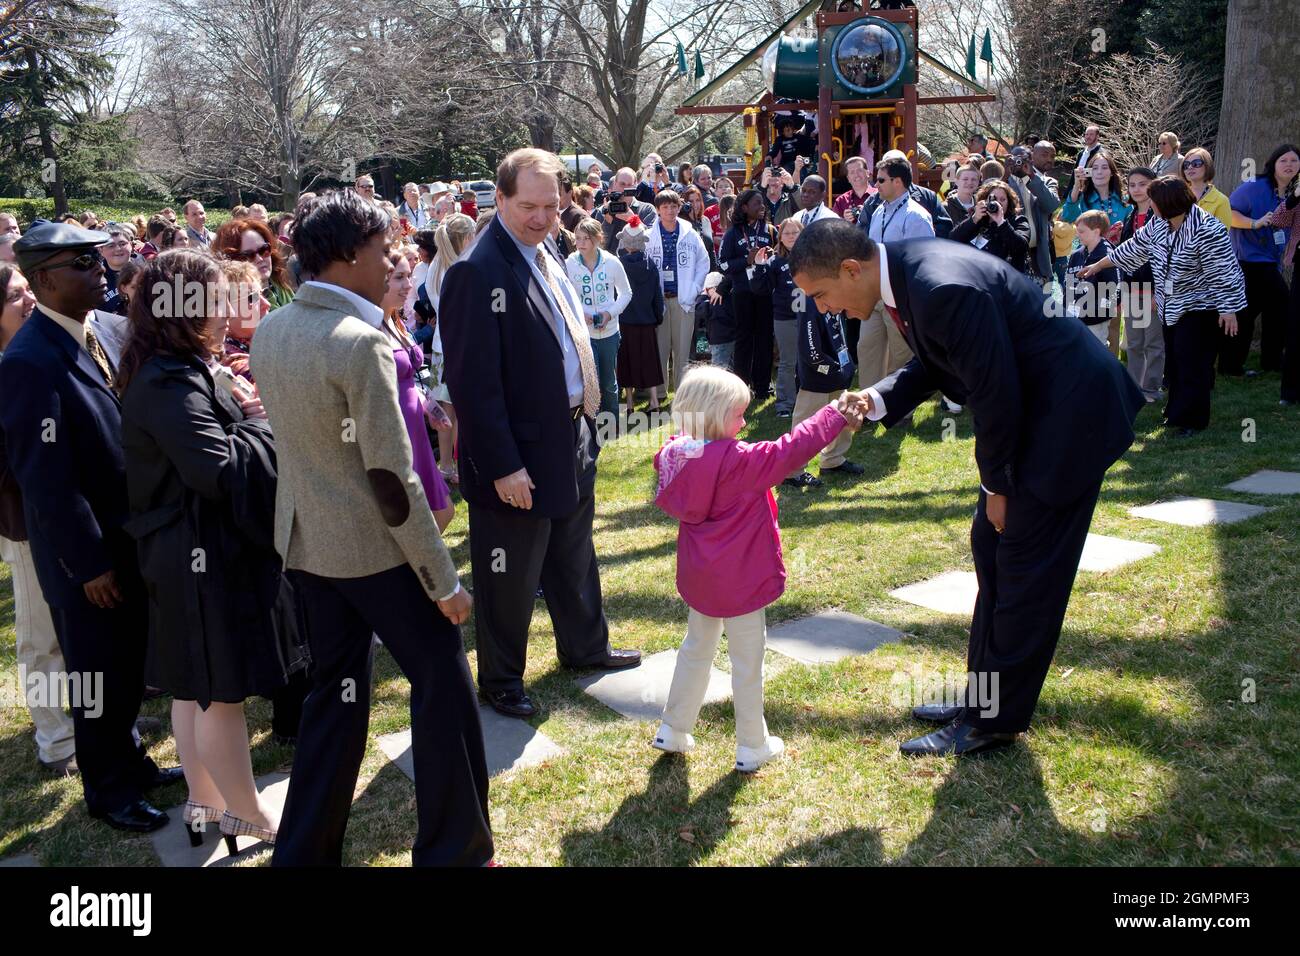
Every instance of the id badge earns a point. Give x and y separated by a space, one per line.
844 357
979 242
669 275
1169 287
1279 237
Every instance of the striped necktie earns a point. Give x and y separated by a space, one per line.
99 356
578 333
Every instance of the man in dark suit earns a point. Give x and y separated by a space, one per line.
62 425
1052 411
518 361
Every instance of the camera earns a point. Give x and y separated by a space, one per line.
993 206
659 168
461 197
616 202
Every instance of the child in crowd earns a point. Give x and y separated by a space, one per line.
638 364
728 547
714 304
1091 300
793 149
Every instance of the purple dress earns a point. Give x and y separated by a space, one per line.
411 403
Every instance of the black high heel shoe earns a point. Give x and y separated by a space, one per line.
197 813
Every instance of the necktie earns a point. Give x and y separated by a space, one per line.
590 381
893 314
99 357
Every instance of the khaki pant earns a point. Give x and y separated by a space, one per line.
808 404
882 349
676 336
746 636
38 650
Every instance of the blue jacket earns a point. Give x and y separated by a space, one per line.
63 435
647 305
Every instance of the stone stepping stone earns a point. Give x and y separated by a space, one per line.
508 743
24 859
1197 512
1104 553
829 636
952 592
1269 483
639 693
172 842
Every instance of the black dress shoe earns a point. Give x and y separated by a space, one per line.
847 468
1187 433
138 817
161 777
957 738
619 658
510 703
936 713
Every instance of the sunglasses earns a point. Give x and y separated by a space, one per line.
82 263
260 252
882 179
1194 163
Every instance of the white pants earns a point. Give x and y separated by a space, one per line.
746 636
37 650
676 335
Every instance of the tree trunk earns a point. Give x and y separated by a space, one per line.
1260 87
541 131
51 158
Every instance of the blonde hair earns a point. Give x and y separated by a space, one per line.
794 223
1169 138
1093 219
705 400
452 237
592 229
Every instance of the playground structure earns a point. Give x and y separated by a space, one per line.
858 73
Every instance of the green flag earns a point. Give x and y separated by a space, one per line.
699 66
970 57
681 60
986 51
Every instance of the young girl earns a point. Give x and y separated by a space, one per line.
728 547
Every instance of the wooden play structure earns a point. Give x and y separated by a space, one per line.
858 73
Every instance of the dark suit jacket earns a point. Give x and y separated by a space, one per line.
63 436
505 371
1052 408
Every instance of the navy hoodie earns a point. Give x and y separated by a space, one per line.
821 340
647 305
773 278
719 320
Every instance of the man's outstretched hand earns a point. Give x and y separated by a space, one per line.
854 406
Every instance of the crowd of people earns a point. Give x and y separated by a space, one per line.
226 495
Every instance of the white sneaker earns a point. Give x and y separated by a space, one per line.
749 759
951 407
671 741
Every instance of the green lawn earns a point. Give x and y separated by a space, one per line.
1142 751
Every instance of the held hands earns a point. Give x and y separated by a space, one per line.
516 489
457 607
714 295
853 407
1228 322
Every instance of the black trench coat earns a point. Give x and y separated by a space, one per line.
201 482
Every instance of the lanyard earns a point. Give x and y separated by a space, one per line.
886 220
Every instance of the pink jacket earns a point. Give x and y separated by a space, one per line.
728 545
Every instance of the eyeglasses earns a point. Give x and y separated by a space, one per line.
260 252
1194 163
881 179
82 263
365 189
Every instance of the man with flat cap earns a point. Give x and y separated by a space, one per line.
1052 411
62 429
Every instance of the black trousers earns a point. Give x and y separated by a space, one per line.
451 777
754 340
109 644
1291 359
1266 297
1189 368
1025 575
511 552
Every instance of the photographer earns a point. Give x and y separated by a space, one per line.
1039 198
791 145
848 204
996 225
778 194
654 179
621 205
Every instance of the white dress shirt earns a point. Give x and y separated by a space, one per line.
887 298
816 214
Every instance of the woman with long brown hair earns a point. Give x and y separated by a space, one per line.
253 241
201 475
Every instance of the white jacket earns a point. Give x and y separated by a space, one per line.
692 261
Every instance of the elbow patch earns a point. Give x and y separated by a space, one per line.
390 495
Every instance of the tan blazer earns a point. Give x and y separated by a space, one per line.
348 502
